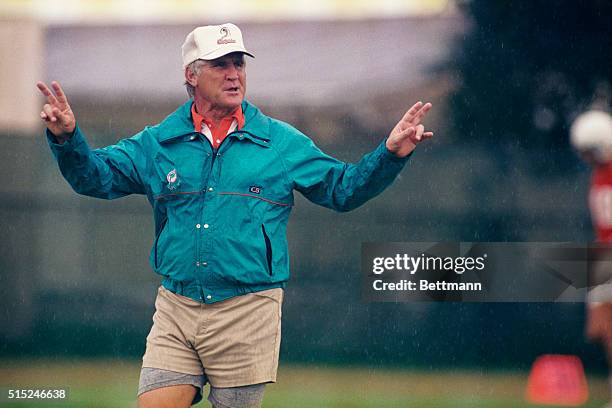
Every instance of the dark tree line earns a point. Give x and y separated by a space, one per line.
526 68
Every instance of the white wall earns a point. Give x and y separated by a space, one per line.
21 65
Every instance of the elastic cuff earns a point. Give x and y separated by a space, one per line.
72 142
391 156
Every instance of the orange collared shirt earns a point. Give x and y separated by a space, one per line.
216 134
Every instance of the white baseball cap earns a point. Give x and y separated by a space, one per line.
211 42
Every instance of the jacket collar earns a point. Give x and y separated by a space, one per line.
179 124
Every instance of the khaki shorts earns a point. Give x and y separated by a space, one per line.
234 342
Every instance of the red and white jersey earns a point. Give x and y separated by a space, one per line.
600 201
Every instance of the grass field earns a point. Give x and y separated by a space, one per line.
112 384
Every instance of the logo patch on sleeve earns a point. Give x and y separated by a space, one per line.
255 189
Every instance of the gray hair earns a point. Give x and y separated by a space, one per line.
194 67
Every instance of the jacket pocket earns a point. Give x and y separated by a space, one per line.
268 249
161 230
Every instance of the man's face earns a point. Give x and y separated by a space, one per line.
222 81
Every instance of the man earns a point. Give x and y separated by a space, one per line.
220 176
591 135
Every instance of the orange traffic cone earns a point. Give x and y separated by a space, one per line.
557 380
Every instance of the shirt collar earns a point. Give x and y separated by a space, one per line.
180 123
237 114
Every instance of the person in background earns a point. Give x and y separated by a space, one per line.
591 135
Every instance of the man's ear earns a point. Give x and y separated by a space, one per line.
190 77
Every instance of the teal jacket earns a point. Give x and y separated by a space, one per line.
221 216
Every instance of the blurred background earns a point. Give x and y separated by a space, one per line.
506 80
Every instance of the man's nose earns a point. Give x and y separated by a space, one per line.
231 71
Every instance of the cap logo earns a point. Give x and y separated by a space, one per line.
225 34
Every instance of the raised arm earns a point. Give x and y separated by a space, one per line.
110 172
341 186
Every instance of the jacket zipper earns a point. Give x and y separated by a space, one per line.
198 233
215 153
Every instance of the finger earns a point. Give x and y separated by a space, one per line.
418 134
61 96
48 110
58 114
411 112
46 92
422 112
399 138
61 116
44 116
425 136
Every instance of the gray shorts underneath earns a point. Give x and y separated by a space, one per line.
248 396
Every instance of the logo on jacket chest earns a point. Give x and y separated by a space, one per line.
172 179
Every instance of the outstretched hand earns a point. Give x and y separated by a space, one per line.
409 132
56 113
